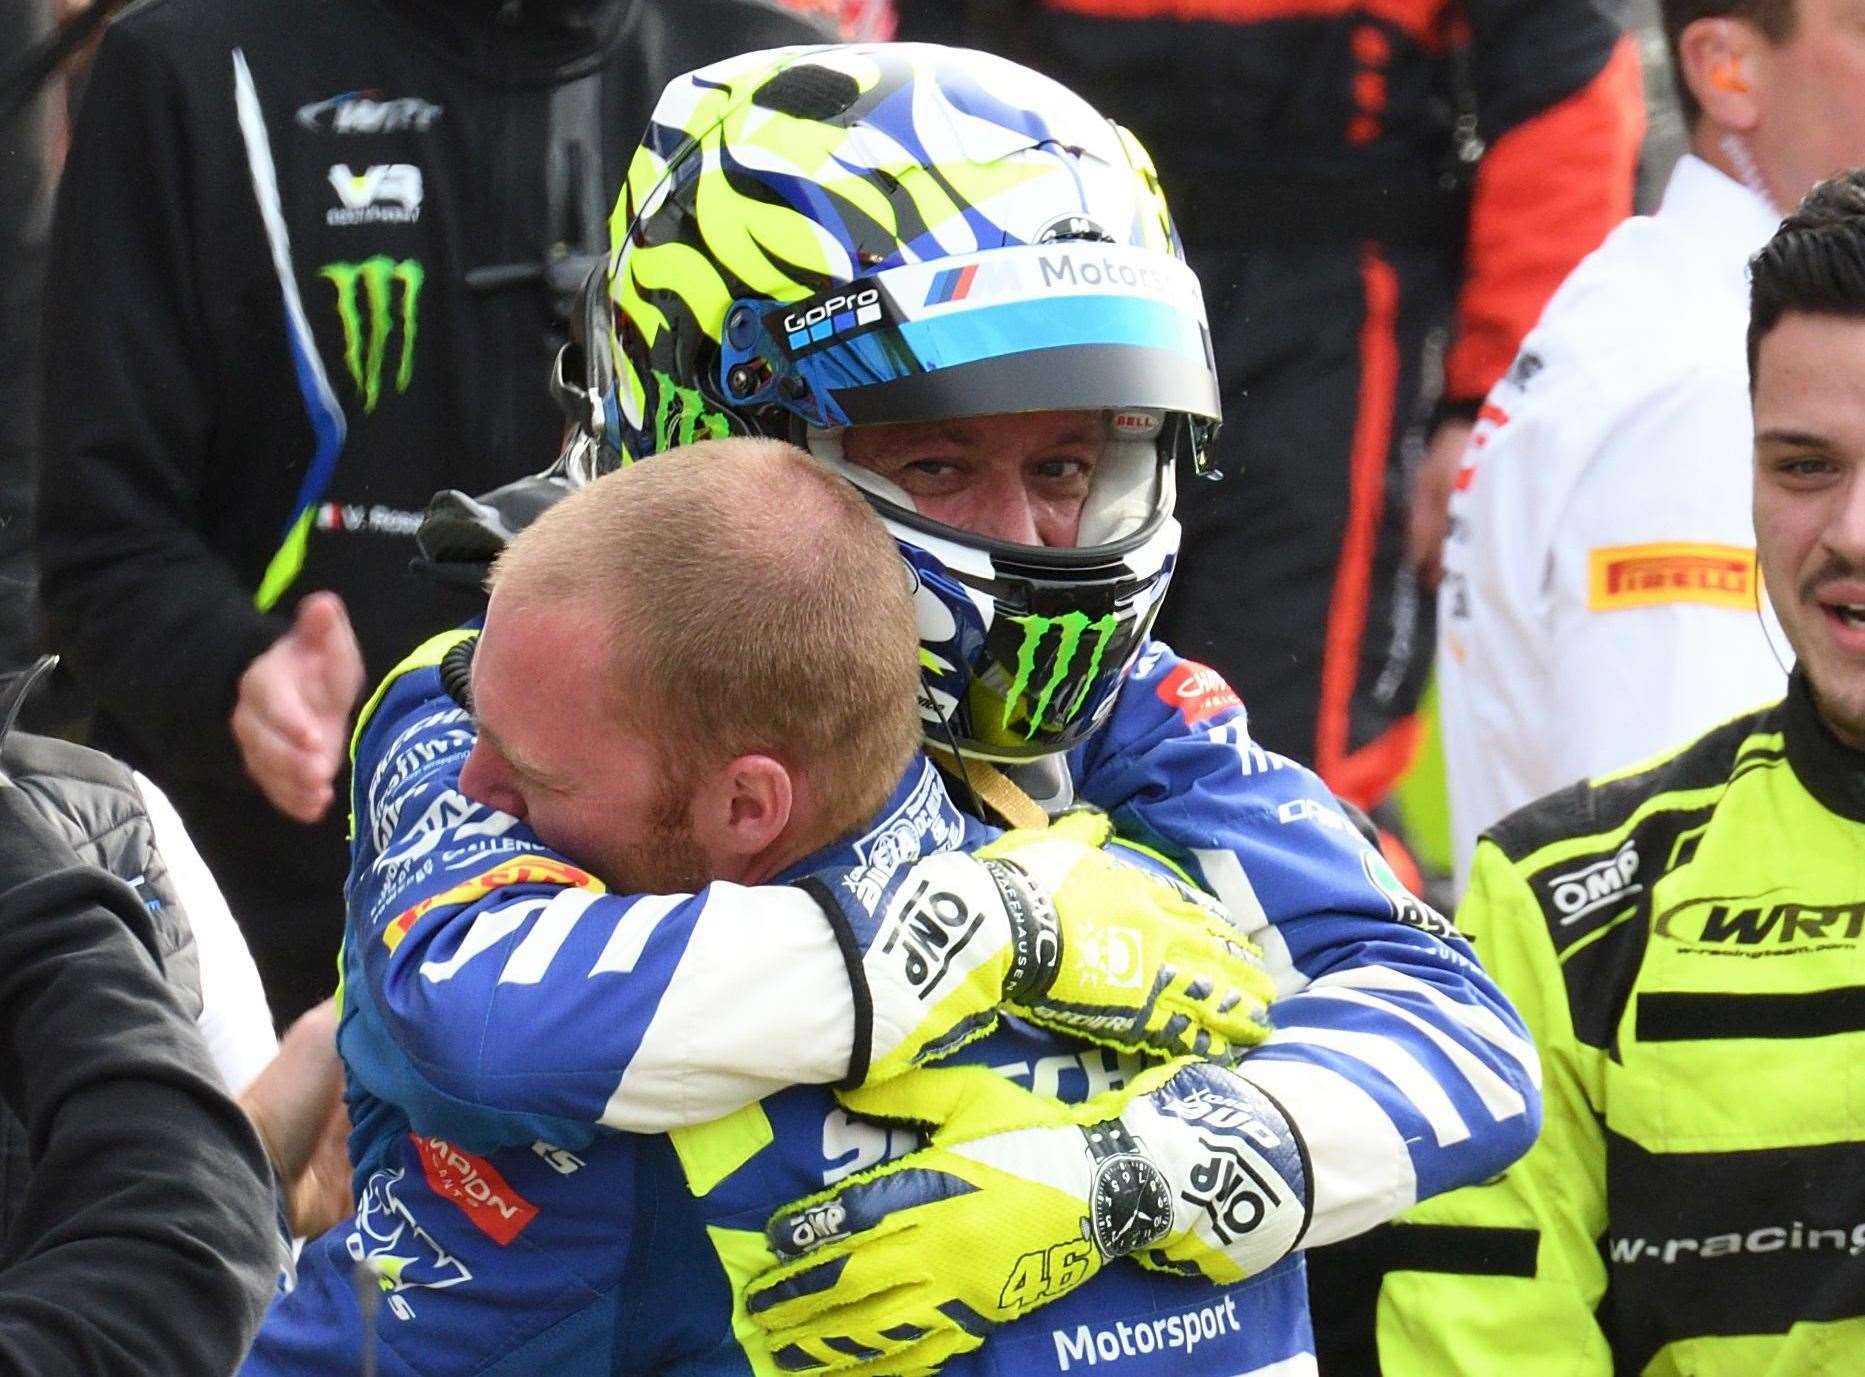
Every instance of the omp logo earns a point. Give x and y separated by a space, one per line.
1233 1194
387 193
1729 927
833 315
401 1254
809 1227
365 112
933 928
1078 641
1577 893
368 310
1320 814
484 1196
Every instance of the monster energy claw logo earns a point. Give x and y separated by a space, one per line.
683 416
368 288
1072 629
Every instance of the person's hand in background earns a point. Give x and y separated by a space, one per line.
296 1103
1430 519
292 720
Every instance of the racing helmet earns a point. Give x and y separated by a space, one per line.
816 238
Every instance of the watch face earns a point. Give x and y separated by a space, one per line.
1131 1206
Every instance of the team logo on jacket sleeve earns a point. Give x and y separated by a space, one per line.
1197 692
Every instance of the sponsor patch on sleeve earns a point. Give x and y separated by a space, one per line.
520 870
476 1186
1197 691
1622 576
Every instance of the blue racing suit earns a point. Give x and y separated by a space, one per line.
501 1009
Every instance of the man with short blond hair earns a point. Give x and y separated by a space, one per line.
681 691
830 695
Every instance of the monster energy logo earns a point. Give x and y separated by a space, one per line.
1072 629
373 281
684 410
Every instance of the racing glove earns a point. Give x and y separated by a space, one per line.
1018 1200
1046 923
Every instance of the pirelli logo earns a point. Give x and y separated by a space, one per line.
1622 576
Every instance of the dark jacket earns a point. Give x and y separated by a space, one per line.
92 802
146 1243
216 442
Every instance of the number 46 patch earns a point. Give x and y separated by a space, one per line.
1045 1273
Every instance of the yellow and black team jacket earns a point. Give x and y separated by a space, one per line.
1686 941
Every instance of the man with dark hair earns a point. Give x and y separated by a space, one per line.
1600 539
1684 941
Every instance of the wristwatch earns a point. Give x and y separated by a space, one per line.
1129 1202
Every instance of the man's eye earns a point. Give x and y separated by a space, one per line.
1804 466
1065 468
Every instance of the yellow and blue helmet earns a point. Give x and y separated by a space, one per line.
816 238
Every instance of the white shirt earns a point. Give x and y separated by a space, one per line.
235 1020
1600 596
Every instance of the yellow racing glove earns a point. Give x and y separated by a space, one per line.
1016 1201
1047 923
1147 964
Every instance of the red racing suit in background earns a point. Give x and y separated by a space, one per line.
1354 181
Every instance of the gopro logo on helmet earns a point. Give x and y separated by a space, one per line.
832 315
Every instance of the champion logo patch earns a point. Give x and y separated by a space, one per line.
484 1195
1198 692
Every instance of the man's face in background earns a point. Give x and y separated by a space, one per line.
1809 401
1814 125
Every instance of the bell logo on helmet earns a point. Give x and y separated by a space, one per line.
1072 629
